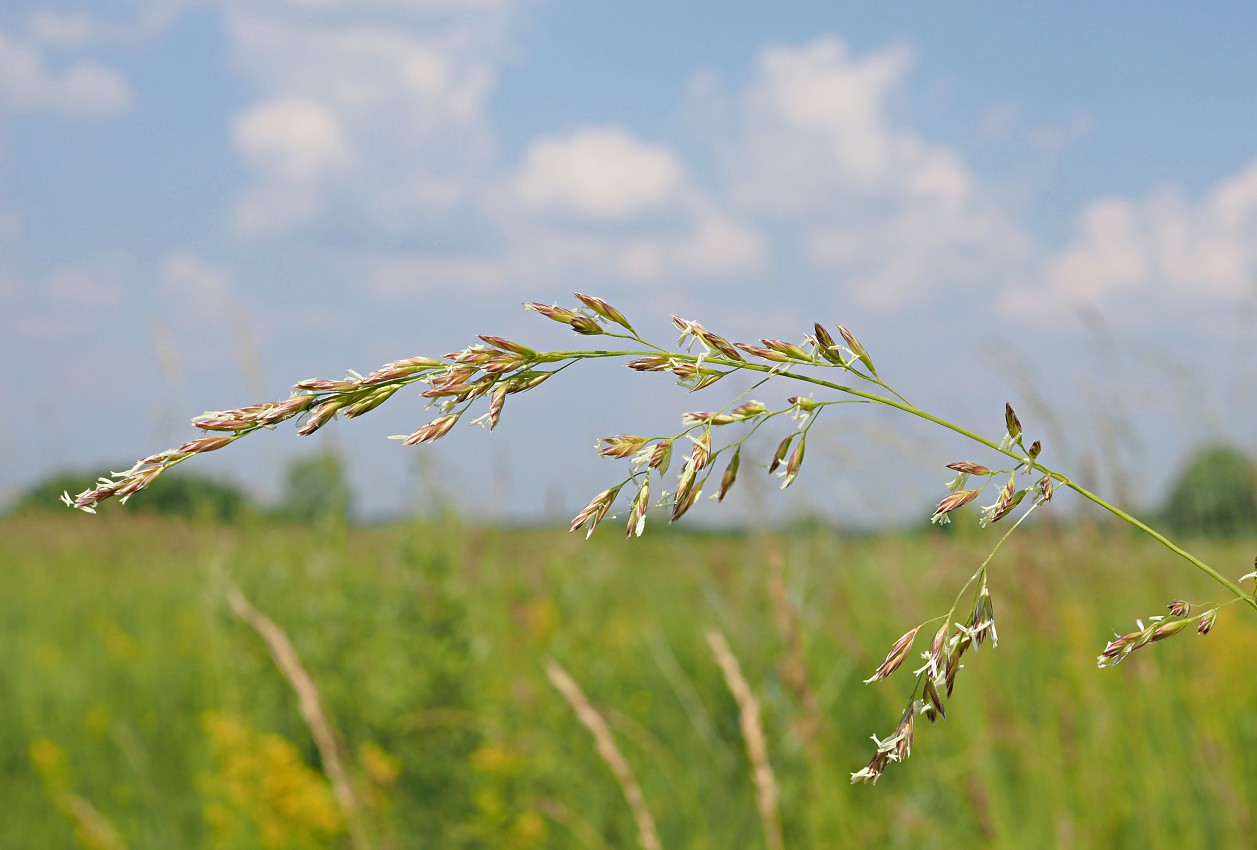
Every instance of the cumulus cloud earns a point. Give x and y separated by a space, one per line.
811 144
70 301
84 287
196 287
397 105
292 140
1153 255
29 82
66 30
814 128
297 147
602 173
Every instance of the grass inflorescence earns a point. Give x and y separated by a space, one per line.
708 448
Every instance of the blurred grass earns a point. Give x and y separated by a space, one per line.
129 686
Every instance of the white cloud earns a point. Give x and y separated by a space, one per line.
722 246
29 83
65 30
274 208
195 287
292 140
1156 255
89 286
704 244
711 245
602 173
397 104
811 144
814 128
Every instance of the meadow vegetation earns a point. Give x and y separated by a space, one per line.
285 679
139 711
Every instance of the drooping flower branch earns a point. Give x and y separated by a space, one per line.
488 372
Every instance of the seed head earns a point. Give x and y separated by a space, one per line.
621 445
371 400
730 475
826 346
402 369
552 311
895 657
192 447
857 349
709 417
749 409
700 455
321 415
602 308
594 512
1009 498
323 385
686 494
651 363
637 514
788 349
950 503
585 326
874 770
508 345
1013 424
934 702
766 353
661 457
496 401
794 463
984 617
803 403
434 430
779 456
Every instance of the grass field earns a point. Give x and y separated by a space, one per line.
137 710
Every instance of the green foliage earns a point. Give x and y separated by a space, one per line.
317 491
130 685
179 493
1215 495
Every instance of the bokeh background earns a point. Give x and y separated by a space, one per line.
204 202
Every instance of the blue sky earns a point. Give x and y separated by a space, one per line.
203 202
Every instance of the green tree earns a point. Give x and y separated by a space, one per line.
317 490
1215 495
180 494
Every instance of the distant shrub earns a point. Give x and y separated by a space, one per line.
180 494
1215 495
316 490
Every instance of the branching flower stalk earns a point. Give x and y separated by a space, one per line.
486 373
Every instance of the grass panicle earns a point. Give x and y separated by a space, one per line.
840 367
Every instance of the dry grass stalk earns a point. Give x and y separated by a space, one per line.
793 666
753 734
647 834
310 704
92 829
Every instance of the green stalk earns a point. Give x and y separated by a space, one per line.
904 406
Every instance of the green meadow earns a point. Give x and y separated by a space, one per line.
138 710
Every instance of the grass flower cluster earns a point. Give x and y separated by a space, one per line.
474 384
